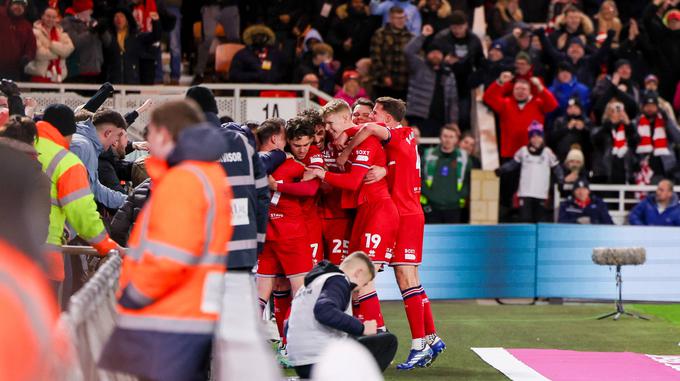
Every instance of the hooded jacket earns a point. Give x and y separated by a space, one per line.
85 144
564 91
171 276
647 213
88 56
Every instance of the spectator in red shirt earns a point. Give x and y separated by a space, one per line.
516 112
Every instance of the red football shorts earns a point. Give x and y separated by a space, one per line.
315 239
408 248
336 234
375 229
289 257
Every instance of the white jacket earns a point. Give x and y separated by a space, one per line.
48 50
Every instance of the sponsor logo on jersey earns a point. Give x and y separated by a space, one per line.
231 157
316 160
410 257
275 216
362 158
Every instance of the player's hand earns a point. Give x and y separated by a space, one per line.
342 158
375 174
370 327
427 30
315 172
308 175
154 16
272 183
341 140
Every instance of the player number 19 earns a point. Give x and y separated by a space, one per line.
372 239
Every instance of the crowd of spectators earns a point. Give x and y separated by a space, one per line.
599 77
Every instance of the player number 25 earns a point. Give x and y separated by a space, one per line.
372 239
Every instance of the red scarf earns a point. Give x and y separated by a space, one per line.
141 12
582 204
54 67
652 141
620 146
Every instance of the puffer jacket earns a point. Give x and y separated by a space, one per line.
48 51
647 213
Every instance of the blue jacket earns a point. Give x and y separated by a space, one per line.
647 213
250 203
85 144
564 91
596 213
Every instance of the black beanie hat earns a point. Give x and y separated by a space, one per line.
61 117
204 97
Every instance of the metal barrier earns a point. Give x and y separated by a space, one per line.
90 319
619 198
240 101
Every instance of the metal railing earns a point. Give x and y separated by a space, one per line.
91 315
232 99
90 319
620 199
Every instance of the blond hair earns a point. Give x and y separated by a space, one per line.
361 257
335 106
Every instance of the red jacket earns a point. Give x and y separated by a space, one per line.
18 47
514 122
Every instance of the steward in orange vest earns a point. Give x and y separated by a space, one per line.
172 276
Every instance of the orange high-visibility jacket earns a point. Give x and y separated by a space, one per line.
172 276
31 343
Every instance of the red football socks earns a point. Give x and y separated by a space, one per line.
370 308
282 301
429 318
415 313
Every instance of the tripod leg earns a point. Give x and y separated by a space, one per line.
607 315
636 315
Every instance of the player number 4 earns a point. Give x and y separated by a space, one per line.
373 239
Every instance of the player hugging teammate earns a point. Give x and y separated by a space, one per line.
347 187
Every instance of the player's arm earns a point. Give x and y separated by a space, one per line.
371 129
349 181
299 189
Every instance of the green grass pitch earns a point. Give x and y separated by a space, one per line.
465 325
573 326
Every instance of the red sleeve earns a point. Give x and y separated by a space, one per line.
493 96
300 189
349 181
549 101
352 131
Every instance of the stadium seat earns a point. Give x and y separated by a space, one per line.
223 56
198 31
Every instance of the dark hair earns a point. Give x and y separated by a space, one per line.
458 18
468 134
19 128
363 102
269 128
396 9
176 116
109 116
226 119
299 127
313 116
393 106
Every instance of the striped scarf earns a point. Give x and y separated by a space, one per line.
620 146
652 141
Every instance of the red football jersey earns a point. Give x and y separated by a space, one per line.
285 211
403 170
314 159
331 197
368 153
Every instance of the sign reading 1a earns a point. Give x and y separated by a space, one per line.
260 109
